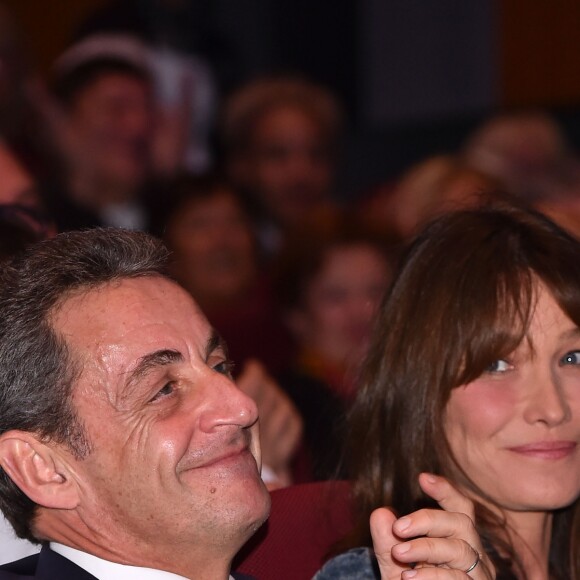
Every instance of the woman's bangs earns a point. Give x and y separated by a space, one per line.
503 319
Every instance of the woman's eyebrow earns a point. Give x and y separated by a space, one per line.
571 333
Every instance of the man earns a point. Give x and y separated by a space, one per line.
125 446
281 139
104 118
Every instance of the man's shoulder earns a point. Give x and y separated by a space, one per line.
24 568
47 565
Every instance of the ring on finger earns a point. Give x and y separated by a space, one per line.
477 559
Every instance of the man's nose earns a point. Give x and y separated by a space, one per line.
226 405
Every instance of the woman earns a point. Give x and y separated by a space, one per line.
473 375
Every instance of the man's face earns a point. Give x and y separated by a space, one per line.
289 167
174 466
111 122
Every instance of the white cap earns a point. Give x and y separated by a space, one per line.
121 47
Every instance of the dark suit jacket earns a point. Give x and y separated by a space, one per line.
49 565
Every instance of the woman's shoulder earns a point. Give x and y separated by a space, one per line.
356 564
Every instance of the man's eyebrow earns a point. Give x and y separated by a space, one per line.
151 361
215 342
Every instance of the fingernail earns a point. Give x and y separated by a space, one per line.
403 523
430 478
409 573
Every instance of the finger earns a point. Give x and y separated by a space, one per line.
381 523
455 554
446 495
436 524
250 380
434 574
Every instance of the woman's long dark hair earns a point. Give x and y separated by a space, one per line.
463 298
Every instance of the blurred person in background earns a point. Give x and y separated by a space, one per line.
19 195
523 150
104 117
431 187
330 279
281 140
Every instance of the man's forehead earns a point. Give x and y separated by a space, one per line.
122 308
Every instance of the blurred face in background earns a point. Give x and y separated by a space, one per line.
110 123
339 303
213 248
17 185
289 166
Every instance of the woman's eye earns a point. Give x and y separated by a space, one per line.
571 358
499 366
225 368
166 391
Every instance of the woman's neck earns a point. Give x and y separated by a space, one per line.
530 535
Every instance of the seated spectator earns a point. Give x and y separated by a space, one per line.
330 281
467 423
125 447
104 118
281 142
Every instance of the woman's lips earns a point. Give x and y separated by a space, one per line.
546 449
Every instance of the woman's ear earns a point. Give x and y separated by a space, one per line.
38 470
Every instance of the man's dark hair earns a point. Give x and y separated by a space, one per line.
37 369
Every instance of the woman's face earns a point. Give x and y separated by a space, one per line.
213 248
516 429
341 301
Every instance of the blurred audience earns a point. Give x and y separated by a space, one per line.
281 139
331 277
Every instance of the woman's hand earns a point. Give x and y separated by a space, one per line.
431 544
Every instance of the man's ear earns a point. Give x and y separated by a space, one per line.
38 470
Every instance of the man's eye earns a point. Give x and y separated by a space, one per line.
166 391
225 367
499 366
571 358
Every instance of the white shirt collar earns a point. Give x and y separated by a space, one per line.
105 570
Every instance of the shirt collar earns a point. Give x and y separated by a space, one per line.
105 570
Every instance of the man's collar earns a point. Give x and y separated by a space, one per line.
105 570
